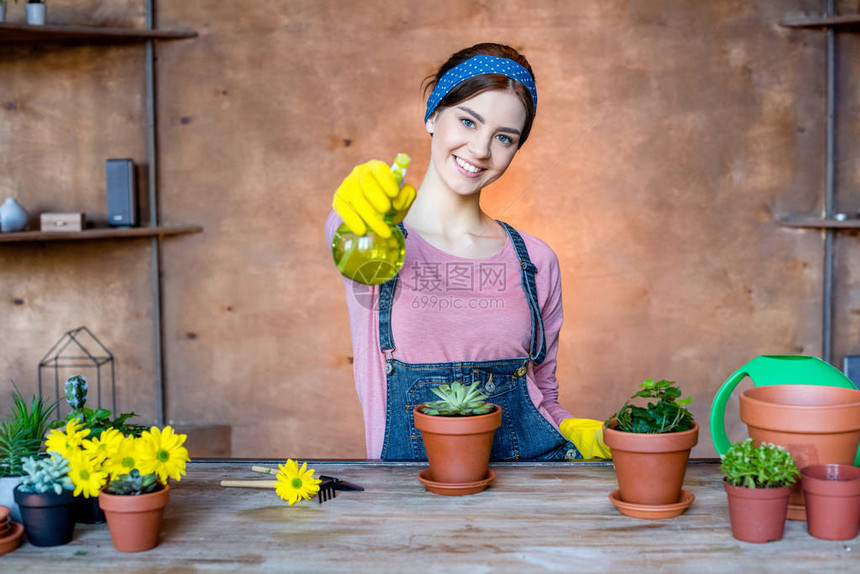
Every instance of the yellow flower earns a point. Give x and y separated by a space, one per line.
104 446
69 442
296 483
162 453
125 458
85 474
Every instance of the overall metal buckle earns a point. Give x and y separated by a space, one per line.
389 356
524 368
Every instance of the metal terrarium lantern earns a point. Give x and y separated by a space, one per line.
79 352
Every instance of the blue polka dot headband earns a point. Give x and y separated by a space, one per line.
477 66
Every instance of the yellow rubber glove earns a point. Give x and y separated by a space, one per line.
368 194
587 435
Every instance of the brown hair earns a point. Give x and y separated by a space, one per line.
485 82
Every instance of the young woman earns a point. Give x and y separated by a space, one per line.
476 300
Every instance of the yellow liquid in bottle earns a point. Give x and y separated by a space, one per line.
369 258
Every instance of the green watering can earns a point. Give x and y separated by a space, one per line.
773 370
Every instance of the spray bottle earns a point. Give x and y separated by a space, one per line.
370 258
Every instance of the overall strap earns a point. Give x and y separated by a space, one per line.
386 300
536 353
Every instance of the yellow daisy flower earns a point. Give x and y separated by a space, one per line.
162 453
296 483
66 443
85 474
124 459
102 447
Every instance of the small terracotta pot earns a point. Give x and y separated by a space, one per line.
650 468
816 424
135 521
832 500
757 514
458 448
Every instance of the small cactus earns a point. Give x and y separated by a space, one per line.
46 474
458 401
76 391
133 483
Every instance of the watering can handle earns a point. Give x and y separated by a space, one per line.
718 411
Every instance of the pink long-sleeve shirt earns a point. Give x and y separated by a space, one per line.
448 309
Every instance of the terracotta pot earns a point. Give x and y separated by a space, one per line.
458 448
816 424
650 468
832 500
757 514
135 521
48 517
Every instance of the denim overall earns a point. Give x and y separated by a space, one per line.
524 435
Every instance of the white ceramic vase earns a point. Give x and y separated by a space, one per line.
7 487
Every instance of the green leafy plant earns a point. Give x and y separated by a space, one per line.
133 483
97 420
42 474
665 414
22 432
763 466
458 400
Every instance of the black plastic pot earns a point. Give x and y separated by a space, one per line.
88 511
49 518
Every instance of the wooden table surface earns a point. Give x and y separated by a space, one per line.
535 517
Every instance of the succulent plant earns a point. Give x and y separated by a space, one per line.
458 401
21 434
44 474
763 466
133 483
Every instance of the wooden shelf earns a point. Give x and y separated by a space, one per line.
821 21
812 222
100 233
22 33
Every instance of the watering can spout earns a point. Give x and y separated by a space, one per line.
772 370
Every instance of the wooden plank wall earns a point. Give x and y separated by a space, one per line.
668 137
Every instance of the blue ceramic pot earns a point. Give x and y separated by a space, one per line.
36 13
13 217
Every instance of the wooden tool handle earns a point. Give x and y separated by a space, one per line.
264 469
249 483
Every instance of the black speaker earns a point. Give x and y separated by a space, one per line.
121 193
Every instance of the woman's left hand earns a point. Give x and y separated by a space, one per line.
587 435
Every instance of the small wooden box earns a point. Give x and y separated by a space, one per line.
62 222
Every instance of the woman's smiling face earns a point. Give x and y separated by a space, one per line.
474 141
